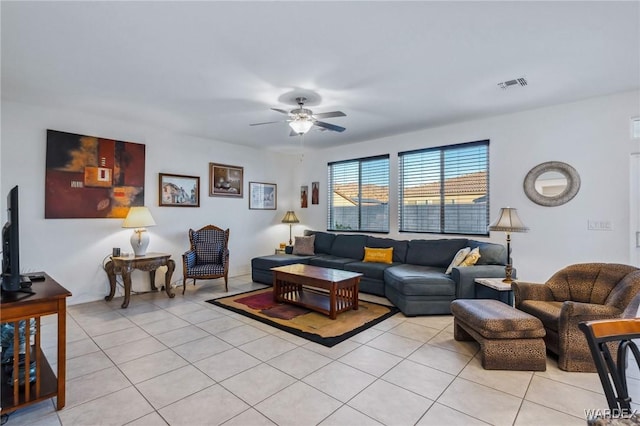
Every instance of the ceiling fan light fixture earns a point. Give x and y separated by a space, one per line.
300 125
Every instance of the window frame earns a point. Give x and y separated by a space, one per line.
441 151
330 194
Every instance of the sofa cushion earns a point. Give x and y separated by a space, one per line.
414 280
208 245
209 253
369 269
547 312
304 245
273 260
351 246
490 253
471 258
378 255
438 253
329 261
323 242
460 256
399 246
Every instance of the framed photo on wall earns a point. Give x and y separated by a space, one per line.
179 190
225 180
263 196
304 196
315 192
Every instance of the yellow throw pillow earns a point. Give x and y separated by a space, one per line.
460 256
378 255
471 258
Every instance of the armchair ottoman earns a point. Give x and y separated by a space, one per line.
509 339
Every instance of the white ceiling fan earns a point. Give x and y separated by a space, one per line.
301 119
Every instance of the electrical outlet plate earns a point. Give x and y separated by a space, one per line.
599 225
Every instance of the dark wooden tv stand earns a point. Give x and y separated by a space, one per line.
49 298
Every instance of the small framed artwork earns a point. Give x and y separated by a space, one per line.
304 196
179 190
263 196
225 180
315 192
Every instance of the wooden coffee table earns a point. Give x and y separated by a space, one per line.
303 284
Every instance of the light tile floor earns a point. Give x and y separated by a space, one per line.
183 361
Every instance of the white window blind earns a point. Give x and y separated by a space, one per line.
359 195
445 190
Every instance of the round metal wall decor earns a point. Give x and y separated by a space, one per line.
566 184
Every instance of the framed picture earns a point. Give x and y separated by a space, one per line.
225 180
263 196
315 192
304 196
179 190
92 177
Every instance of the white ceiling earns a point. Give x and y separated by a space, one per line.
209 69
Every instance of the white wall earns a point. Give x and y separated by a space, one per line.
592 135
72 250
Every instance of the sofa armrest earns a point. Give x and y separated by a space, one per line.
530 291
573 313
587 311
465 278
224 256
189 259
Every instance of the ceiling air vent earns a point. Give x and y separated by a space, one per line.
517 82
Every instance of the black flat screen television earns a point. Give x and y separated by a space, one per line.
12 281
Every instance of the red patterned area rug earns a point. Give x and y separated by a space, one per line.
314 326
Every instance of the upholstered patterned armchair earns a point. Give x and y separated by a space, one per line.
208 257
581 292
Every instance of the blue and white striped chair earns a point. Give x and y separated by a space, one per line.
208 257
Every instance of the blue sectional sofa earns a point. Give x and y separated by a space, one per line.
415 281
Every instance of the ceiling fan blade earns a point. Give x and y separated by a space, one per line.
266 122
330 114
280 110
329 126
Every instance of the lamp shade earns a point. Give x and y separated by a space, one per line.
138 217
290 217
508 221
300 125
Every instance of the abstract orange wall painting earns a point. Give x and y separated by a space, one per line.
92 177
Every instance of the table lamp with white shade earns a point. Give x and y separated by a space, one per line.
139 218
290 218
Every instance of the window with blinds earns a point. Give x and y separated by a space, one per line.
445 190
359 195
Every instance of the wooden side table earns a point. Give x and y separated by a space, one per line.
149 262
494 288
49 298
